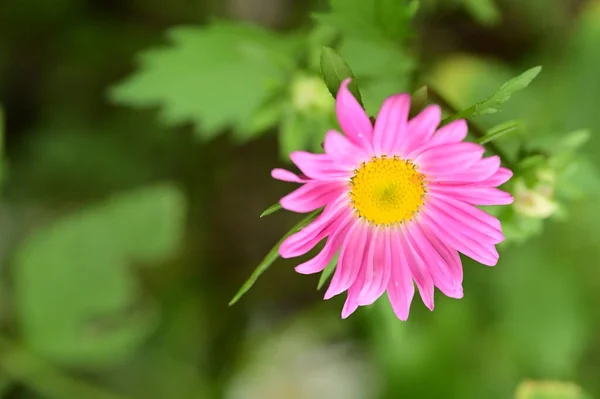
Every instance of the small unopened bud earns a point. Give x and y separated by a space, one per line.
310 94
535 202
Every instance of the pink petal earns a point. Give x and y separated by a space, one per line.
470 220
422 127
377 270
286 175
400 287
457 239
441 272
350 260
352 118
449 255
454 132
448 158
476 174
350 305
304 240
332 245
343 152
312 196
473 195
318 166
468 213
418 269
391 124
500 177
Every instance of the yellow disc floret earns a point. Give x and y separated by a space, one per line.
387 190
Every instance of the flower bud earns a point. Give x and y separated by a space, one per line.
309 94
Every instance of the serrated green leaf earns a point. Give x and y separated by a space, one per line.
549 390
77 301
499 131
326 274
270 258
335 70
488 105
270 210
214 77
374 20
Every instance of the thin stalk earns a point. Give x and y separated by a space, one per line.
476 130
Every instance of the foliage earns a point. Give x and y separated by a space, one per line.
85 256
115 286
214 77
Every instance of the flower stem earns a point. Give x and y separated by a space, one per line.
476 130
41 376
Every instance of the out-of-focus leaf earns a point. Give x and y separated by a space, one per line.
335 70
578 179
266 117
382 69
418 100
270 210
270 258
549 390
484 11
215 77
373 20
1 146
1 131
559 335
77 302
488 106
5 384
499 131
326 274
301 131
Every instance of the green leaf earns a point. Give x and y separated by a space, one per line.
488 106
302 131
549 390
266 117
499 131
214 77
382 69
270 258
1 131
374 20
335 70
1 146
484 11
270 210
5 384
574 140
326 274
77 301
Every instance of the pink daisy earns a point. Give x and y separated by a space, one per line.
399 204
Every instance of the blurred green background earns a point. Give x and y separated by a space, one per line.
131 187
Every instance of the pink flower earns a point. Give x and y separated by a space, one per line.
399 204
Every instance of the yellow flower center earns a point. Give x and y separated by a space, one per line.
387 190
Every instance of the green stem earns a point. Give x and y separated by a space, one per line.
477 131
41 376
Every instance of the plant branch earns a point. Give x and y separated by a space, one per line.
473 127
